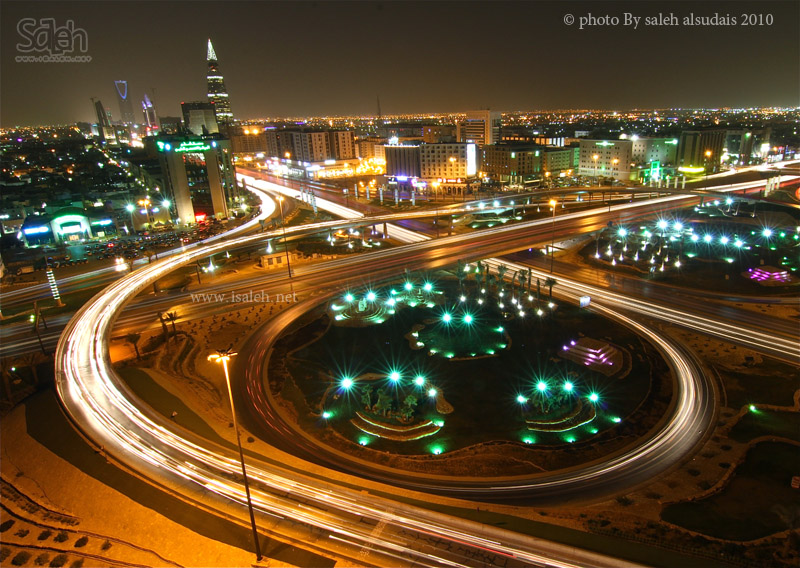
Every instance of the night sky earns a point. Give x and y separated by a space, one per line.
282 59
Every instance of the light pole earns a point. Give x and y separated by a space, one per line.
223 356
708 158
129 207
595 158
553 204
285 244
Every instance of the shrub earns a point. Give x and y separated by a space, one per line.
624 500
724 465
42 559
45 534
61 536
693 472
5 525
704 485
106 545
77 564
81 541
58 561
22 533
21 558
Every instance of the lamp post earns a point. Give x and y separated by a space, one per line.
708 158
129 207
223 356
285 244
595 158
553 204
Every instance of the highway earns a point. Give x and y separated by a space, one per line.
100 405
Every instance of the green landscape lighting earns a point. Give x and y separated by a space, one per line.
408 286
616 419
439 423
724 240
447 318
436 450
738 243
394 376
527 440
593 430
662 224
622 232
428 287
753 408
541 386
468 319
678 226
390 302
500 329
347 383
568 386
462 298
363 441
521 399
371 296
348 298
694 238
431 393
419 380
594 397
708 238
767 233
326 415
783 235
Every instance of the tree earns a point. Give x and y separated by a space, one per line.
550 282
366 398
501 272
384 402
521 278
133 339
530 280
407 410
33 359
172 317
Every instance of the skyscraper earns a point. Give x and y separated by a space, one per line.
217 94
480 126
125 104
149 113
104 130
199 118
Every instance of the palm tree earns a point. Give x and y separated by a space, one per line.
550 282
522 279
530 280
33 360
172 317
133 339
501 272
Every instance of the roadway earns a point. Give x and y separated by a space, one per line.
100 405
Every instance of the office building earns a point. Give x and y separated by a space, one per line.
149 113
199 118
606 158
402 161
480 126
125 103
448 162
104 130
217 93
342 144
511 163
700 151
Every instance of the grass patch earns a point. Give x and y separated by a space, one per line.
776 384
733 514
767 423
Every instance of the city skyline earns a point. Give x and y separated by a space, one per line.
332 59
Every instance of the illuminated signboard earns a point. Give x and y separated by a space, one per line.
71 228
102 222
472 162
691 170
186 146
36 230
604 143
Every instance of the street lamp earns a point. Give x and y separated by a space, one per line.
553 204
595 157
285 244
708 158
129 207
223 356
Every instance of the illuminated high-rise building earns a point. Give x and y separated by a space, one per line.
125 104
104 129
217 94
149 113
